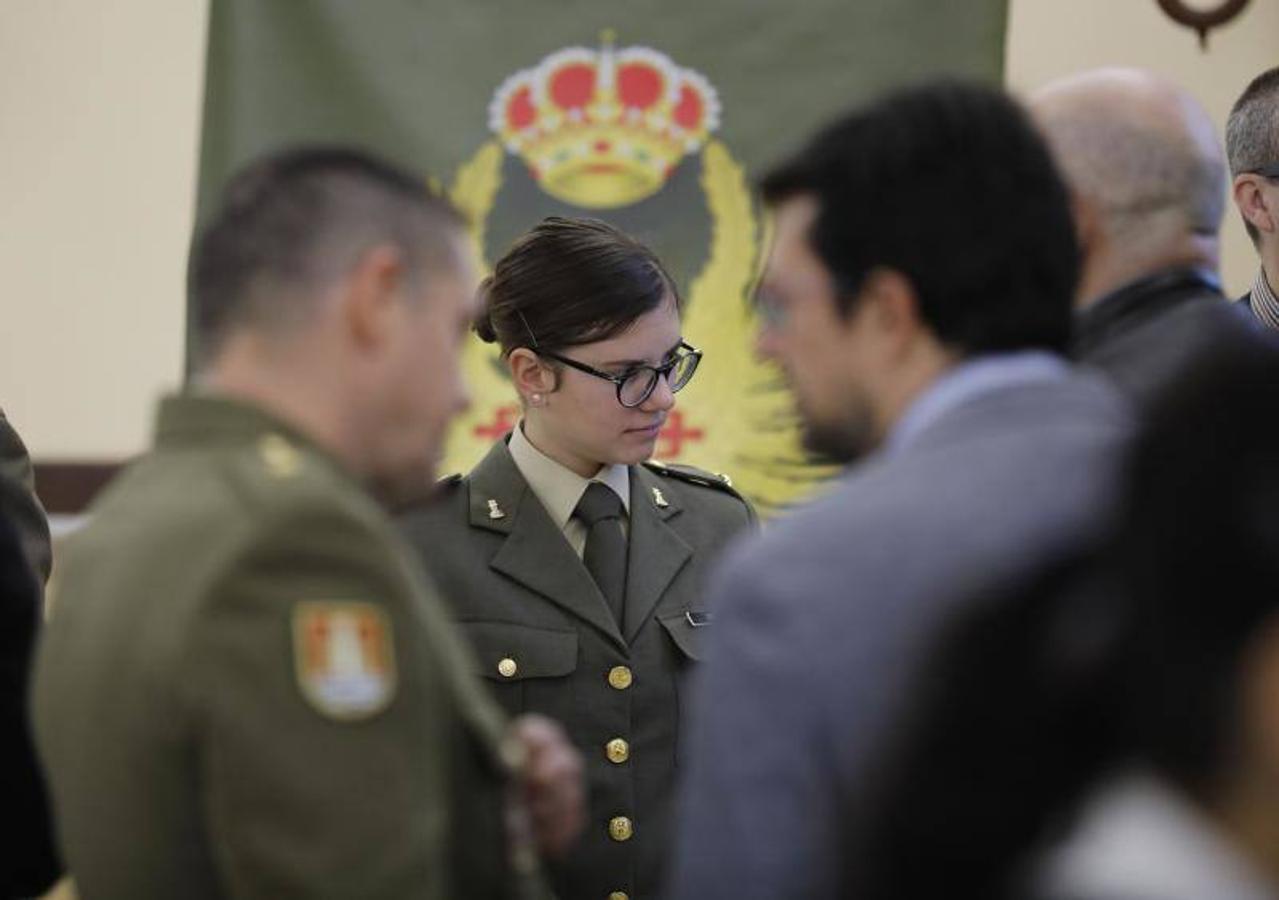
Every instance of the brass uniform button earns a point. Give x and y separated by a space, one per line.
618 751
620 828
619 895
279 456
507 668
620 677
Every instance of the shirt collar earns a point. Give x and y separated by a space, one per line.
558 487
1264 303
970 379
1138 837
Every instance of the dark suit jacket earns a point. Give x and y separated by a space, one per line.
820 620
1143 335
547 642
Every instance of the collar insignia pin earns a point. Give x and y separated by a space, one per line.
495 511
659 499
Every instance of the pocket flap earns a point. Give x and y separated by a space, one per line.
509 652
687 629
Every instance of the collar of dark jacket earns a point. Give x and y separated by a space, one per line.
1137 301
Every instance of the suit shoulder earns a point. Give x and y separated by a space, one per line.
700 484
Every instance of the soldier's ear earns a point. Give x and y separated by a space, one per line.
1254 205
532 376
370 296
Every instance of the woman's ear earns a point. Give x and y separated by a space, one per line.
532 377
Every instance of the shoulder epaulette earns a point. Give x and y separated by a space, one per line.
450 480
694 475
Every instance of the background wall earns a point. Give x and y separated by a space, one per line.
99 111
1050 38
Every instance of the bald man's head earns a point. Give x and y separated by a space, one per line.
1139 150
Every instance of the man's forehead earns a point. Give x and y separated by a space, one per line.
795 215
793 223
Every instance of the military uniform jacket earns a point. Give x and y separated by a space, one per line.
247 689
547 642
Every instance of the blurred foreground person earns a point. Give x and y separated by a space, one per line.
1110 731
1147 180
576 565
29 864
1194 812
246 687
19 502
1252 146
917 297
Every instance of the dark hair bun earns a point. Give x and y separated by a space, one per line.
483 326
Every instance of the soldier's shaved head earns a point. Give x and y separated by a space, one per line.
1140 154
293 222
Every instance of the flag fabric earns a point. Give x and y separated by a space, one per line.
652 114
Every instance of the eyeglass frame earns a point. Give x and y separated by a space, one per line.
662 371
1270 170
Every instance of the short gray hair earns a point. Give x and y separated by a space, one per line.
1252 130
1134 172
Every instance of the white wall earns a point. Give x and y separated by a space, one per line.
99 118
1050 38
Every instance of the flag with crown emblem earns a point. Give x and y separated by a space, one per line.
656 116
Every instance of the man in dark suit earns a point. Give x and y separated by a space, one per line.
917 297
1146 176
1252 146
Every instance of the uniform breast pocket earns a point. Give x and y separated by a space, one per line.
512 658
687 629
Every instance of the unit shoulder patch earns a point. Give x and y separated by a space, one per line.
280 458
694 475
344 657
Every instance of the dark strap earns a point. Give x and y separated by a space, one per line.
601 510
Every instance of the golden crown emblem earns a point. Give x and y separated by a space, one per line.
604 128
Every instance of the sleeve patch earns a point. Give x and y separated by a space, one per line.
344 657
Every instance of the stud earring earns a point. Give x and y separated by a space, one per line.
536 399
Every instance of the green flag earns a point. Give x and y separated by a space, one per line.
652 114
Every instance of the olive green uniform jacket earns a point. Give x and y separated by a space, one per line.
547 642
247 689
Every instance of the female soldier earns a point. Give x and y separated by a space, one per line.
573 563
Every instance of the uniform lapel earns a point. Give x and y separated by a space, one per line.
534 551
657 553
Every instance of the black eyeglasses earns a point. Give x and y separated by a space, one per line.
637 384
1268 171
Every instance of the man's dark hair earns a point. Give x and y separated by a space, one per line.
291 222
1252 130
950 185
570 281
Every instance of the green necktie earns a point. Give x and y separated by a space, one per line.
601 510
